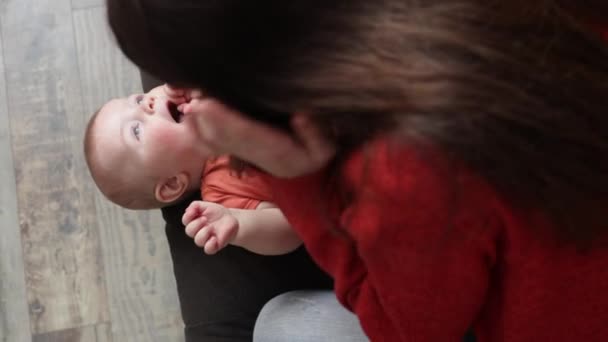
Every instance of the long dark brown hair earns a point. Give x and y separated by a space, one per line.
516 89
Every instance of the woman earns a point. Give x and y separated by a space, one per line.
447 158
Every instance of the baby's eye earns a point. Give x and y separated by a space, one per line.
136 130
139 98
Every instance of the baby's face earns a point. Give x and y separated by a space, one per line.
145 133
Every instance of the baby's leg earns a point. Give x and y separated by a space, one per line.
265 205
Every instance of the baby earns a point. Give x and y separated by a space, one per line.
143 153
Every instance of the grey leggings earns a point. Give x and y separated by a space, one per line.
306 316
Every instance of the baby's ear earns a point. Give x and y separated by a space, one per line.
171 189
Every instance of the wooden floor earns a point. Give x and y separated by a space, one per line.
72 266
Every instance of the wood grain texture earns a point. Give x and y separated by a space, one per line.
61 245
139 274
73 267
80 4
14 319
91 333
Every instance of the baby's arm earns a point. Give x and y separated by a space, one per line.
263 231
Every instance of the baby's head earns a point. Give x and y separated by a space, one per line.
142 153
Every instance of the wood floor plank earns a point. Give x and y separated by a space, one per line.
80 4
61 245
140 281
91 333
14 319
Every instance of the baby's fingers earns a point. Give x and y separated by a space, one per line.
195 226
212 246
193 211
202 236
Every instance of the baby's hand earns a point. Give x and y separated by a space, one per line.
211 225
182 95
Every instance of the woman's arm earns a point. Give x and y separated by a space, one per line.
426 248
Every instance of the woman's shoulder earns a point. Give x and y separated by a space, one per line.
391 165
414 182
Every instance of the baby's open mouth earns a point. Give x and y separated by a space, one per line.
175 113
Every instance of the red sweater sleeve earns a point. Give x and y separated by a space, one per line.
424 239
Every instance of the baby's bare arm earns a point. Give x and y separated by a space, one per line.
265 230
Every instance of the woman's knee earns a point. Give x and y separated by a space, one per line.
301 316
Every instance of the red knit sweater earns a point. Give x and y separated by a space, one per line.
425 252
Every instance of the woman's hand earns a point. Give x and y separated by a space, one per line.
181 95
279 153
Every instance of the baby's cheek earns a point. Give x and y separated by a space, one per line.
165 140
171 138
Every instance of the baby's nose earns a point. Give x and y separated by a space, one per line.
148 104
